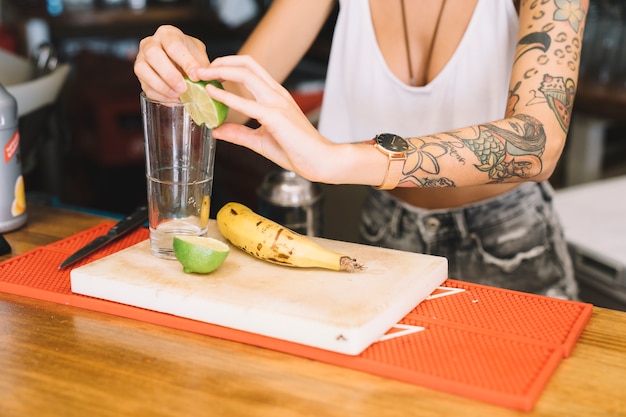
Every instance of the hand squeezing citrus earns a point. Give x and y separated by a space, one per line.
203 109
199 254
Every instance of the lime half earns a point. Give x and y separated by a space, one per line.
199 254
203 109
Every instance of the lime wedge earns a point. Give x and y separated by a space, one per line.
202 108
199 254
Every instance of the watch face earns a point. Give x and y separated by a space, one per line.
391 142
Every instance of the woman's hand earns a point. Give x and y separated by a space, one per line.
165 58
285 136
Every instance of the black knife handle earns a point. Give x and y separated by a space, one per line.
4 246
130 222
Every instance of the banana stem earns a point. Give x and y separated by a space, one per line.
348 264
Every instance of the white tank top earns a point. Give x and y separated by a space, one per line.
362 97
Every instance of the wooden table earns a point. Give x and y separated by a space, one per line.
57 360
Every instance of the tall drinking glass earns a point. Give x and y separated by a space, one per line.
179 170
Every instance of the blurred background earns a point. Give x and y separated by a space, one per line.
86 148
83 147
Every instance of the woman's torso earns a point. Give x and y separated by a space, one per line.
467 82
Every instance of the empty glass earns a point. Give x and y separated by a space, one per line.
179 170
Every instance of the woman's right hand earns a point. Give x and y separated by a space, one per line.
165 58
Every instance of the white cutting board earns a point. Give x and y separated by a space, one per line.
336 311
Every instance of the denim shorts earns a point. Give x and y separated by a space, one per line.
512 241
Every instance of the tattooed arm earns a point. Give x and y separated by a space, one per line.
528 142
523 146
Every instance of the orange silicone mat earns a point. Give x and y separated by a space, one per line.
488 344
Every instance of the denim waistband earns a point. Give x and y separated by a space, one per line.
463 219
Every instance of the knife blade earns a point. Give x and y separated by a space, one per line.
127 224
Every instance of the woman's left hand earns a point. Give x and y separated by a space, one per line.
285 135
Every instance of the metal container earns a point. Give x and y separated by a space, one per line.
12 193
292 201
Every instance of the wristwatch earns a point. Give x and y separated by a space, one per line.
396 148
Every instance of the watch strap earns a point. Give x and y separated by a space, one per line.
394 171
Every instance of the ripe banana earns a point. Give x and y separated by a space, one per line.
272 242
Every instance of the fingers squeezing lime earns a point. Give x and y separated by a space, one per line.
199 254
202 108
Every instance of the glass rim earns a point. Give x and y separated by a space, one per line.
157 101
